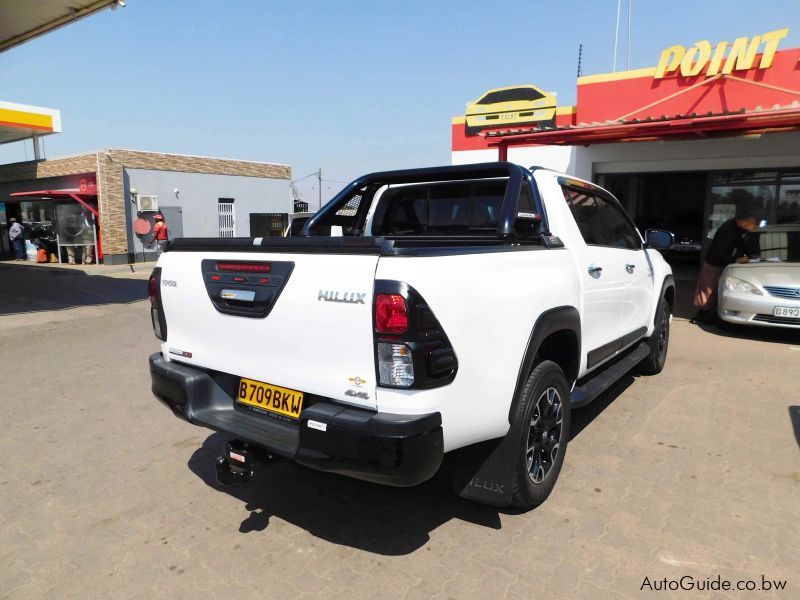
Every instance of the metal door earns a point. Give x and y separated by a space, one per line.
173 216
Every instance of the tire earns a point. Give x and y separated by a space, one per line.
658 342
538 430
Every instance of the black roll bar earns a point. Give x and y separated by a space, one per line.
508 213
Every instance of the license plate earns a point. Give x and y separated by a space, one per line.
508 116
272 398
787 311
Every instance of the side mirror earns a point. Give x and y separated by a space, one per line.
659 239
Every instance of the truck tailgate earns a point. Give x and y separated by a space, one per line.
316 337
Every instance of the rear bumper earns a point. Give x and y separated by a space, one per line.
391 449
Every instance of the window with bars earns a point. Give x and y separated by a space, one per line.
227 217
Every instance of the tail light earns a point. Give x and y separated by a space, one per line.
156 310
411 348
391 313
395 365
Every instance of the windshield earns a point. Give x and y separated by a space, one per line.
783 245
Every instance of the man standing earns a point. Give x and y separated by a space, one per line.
732 243
162 234
15 237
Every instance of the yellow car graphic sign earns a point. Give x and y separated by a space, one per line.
512 105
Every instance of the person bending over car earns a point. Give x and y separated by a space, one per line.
732 243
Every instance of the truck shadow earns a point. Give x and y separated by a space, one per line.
340 510
582 417
383 520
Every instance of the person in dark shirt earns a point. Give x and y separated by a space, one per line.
732 243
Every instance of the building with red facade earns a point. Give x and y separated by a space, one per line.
683 145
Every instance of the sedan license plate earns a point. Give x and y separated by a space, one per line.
509 116
271 398
787 312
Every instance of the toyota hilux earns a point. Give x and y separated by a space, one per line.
459 308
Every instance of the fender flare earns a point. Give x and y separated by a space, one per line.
484 472
669 282
561 318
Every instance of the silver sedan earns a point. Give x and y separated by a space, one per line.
765 292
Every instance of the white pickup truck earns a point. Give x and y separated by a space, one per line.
420 312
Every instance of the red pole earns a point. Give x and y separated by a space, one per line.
502 152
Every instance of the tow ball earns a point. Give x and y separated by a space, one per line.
237 465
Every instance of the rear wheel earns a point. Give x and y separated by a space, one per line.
658 342
541 431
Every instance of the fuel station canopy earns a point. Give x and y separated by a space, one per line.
22 20
21 121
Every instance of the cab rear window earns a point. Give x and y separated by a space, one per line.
452 208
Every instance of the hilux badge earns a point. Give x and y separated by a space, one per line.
348 297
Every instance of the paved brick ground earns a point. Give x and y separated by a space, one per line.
103 494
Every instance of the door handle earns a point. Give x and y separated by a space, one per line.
595 271
630 267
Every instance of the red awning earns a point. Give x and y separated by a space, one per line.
74 194
692 125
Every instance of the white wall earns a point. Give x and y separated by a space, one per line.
198 198
467 157
558 158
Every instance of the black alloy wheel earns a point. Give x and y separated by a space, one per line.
544 435
540 430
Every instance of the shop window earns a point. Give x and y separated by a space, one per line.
737 191
789 199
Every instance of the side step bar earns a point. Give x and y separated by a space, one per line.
599 383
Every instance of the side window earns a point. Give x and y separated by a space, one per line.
600 221
619 232
586 212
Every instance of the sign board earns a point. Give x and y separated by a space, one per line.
700 58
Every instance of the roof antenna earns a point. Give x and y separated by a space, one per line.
580 58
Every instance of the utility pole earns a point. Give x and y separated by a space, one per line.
580 56
319 180
630 6
616 35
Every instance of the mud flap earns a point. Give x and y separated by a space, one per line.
484 472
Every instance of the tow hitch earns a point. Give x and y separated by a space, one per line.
237 465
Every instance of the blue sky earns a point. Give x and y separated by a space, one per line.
350 86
